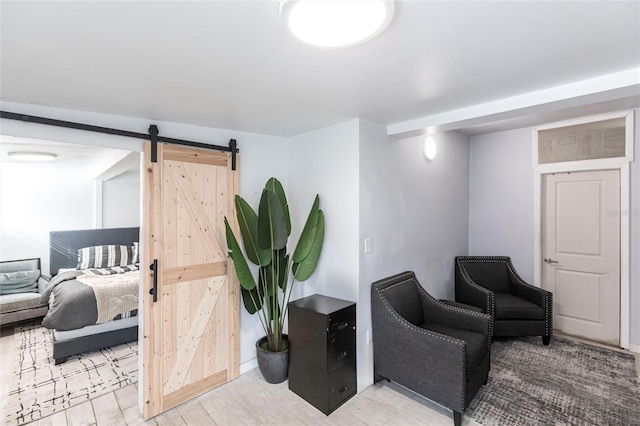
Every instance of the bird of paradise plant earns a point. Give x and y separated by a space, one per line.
265 237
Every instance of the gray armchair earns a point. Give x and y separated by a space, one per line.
492 283
20 287
437 350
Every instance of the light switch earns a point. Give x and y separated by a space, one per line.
367 245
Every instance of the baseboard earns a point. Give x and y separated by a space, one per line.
248 366
634 348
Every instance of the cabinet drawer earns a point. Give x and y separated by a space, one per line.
342 385
341 320
341 348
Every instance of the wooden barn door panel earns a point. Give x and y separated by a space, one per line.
191 339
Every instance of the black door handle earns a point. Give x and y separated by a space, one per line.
154 291
343 325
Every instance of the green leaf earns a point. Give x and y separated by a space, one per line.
275 186
272 228
239 262
303 270
308 233
252 300
284 270
248 221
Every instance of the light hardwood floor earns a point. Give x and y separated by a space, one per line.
249 400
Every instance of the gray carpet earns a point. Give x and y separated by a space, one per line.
39 388
566 383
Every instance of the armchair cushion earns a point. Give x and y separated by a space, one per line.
510 306
477 348
19 282
19 302
492 276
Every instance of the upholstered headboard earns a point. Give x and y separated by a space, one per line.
64 245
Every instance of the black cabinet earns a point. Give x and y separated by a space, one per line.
322 351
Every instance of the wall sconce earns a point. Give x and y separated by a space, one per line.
429 148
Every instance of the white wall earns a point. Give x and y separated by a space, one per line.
36 198
121 200
501 198
325 162
501 206
416 213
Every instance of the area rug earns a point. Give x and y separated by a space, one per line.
566 383
39 388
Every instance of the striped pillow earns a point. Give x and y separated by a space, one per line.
104 256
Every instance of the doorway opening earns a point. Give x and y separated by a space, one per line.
562 151
85 188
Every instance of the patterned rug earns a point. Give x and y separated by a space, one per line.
39 388
566 383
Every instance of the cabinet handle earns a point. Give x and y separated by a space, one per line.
342 355
343 325
342 389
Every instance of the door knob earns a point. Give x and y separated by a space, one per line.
550 261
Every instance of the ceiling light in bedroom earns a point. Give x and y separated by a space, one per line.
332 23
32 156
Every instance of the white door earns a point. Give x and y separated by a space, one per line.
581 253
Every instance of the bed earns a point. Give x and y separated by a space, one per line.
69 336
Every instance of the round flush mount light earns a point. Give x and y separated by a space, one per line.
31 156
429 148
335 24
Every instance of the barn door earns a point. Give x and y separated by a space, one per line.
191 339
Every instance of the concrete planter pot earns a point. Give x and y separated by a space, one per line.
274 366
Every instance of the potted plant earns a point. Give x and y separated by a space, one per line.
265 237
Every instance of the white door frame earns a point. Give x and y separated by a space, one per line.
621 164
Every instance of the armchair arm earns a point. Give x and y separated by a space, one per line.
471 293
465 319
43 281
432 364
525 290
533 294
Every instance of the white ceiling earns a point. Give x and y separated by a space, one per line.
98 162
231 64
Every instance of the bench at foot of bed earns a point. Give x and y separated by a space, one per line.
93 337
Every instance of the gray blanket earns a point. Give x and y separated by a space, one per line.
72 304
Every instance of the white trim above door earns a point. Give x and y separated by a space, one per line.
621 164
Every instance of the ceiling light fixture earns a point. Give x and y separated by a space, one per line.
32 156
334 24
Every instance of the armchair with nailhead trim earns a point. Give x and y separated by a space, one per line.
517 308
440 351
